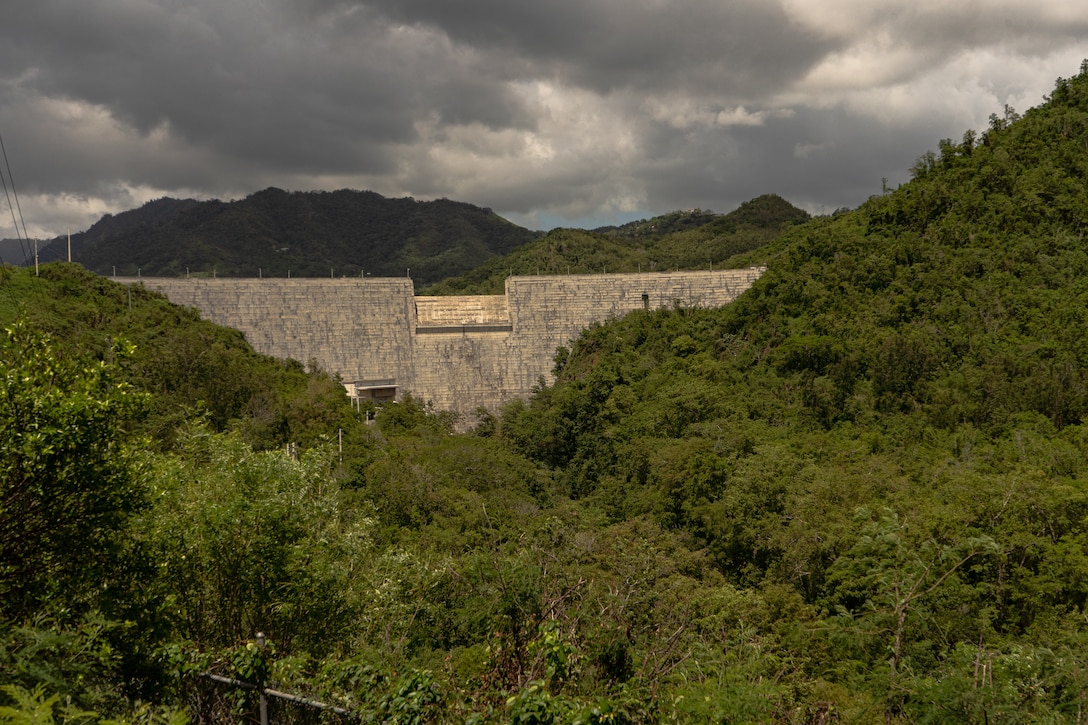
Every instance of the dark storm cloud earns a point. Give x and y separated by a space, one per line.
746 47
234 80
573 108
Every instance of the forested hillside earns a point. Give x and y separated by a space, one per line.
887 430
857 494
277 233
191 368
679 240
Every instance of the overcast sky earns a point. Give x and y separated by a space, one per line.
551 112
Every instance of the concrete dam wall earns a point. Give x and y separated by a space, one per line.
460 353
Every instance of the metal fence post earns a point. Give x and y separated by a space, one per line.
260 684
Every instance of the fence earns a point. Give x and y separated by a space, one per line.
213 699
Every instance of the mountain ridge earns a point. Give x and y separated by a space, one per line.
695 239
281 233
445 246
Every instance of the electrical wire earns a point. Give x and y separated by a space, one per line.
7 195
24 239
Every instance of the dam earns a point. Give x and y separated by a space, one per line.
458 353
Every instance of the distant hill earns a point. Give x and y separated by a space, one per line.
769 211
674 221
12 250
695 239
110 226
304 234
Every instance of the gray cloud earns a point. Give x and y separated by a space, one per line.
576 109
744 47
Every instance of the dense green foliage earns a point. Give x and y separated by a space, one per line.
64 474
680 240
276 233
889 423
857 494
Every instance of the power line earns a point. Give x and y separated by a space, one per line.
17 206
7 195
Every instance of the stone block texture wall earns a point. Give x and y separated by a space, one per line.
460 353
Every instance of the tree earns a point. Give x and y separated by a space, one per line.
257 541
885 577
67 486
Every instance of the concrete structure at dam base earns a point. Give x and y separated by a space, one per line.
459 353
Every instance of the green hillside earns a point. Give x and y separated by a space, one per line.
887 430
191 368
679 240
277 233
858 494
